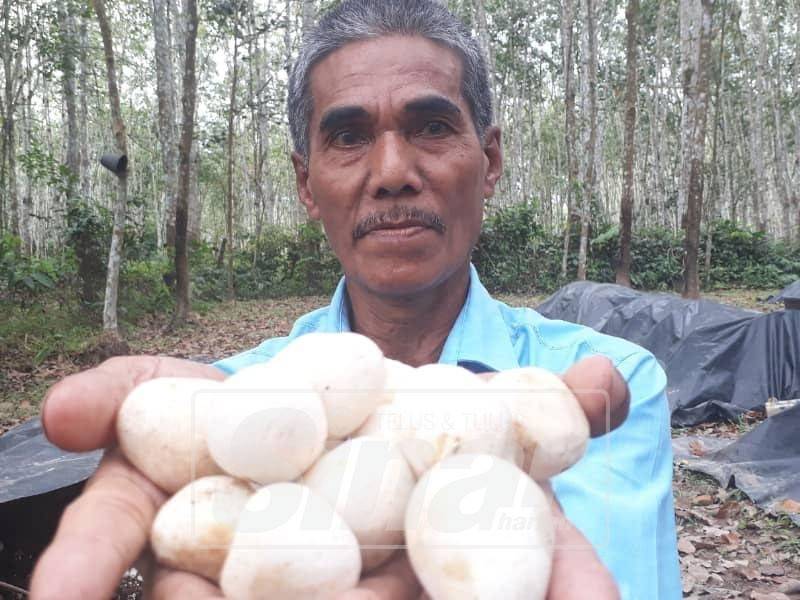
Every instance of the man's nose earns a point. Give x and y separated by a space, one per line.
393 167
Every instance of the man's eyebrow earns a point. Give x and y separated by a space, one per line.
433 105
336 117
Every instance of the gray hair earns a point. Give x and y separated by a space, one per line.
354 20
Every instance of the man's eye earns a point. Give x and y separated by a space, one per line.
346 138
435 128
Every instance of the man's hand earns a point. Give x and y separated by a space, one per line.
102 533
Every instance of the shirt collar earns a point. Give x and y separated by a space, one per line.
479 338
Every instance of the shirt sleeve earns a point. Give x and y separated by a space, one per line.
260 354
620 493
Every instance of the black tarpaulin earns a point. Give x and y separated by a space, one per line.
37 481
30 465
764 463
791 293
720 360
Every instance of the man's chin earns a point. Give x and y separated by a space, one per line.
404 279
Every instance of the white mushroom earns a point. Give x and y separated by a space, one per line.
445 410
269 426
290 544
193 530
368 482
478 527
550 425
397 373
347 369
162 428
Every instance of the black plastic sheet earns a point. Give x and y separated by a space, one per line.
37 481
30 465
791 292
764 463
720 361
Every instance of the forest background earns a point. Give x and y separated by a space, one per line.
655 143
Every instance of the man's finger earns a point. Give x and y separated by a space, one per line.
169 584
80 411
601 391
100 534
393 581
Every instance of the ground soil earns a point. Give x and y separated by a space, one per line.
729 548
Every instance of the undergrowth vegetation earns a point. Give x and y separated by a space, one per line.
53 305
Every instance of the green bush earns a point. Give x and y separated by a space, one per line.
142 289
514 254
24 278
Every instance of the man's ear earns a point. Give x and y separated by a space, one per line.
493 151
303 191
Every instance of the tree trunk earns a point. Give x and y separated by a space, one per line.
567 54
110 324
229 167
590 75
309 16
188 101
167 122
713 199
780 170
70 51
9 138
755 118
83 122
623 276
483 36
697 24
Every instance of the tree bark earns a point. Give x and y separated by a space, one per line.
188 102
70 37
589 176
567 54
755 119
483 35
110 324
713 199
695 97
167 121
229 167
623 275
309 16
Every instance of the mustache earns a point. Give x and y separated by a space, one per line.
397 214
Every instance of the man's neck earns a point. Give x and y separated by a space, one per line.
414 329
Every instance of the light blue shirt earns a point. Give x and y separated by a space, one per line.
620 493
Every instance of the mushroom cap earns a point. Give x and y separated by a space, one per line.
348 371
162 429
445 410
478 527
193 530
269 425
290 544
368 481
550 425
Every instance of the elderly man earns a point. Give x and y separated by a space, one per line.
395 152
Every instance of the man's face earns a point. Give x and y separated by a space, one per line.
396 170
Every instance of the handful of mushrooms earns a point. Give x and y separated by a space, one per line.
293 478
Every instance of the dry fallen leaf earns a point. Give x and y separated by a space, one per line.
749 573
731 538
755 595
727 510
686 546
697 448
790 586
773 571
703 500
790 506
